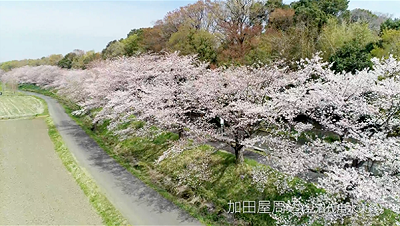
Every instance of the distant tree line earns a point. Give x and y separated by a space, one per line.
77 59
50 60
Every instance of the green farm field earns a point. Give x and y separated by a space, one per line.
19 106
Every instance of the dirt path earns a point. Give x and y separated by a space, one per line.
139 204
35 187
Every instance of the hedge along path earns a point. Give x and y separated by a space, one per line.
19 106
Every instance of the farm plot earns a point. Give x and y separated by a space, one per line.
36 189
17 106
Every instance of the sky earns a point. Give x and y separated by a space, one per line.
33 29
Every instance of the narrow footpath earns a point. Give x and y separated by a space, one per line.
140 204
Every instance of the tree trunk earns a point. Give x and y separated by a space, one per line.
180 133
239 153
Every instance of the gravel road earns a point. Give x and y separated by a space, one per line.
140 204
35 187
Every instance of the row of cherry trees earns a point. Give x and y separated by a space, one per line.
233 104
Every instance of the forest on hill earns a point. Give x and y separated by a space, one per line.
249 32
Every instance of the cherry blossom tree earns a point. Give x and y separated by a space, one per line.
235 105
363 110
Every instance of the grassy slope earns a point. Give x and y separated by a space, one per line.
109 214
203 191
